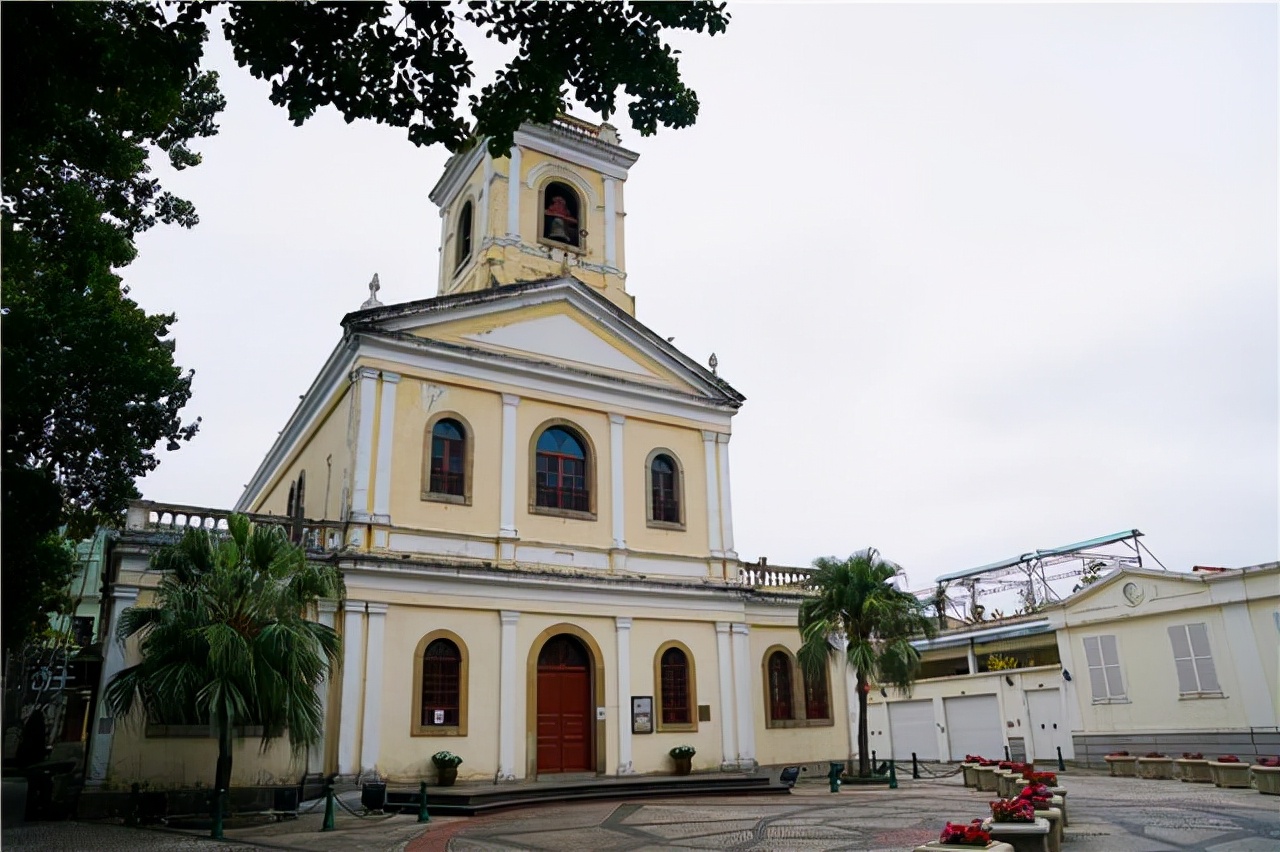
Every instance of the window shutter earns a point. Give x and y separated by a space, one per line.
1097 678
1203 657
1187 681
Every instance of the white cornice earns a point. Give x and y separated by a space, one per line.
456 172
609 160
332 376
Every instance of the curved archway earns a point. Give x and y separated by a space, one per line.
562 732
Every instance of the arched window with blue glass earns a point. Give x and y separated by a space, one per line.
562 470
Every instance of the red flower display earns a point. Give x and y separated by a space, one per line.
1192 755
1228 758
1037 794
960 834
1049 779
1013 810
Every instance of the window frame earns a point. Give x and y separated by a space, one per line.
1103 665
691 688
416 728
678 474
467 216
799 704
1194 658
468 455
588 477
579 197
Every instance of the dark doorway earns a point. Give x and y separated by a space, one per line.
565 727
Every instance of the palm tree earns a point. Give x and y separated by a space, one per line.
857 605
227 642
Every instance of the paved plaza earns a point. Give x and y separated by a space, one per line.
1107 815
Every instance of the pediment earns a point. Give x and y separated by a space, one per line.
1131 589
558 322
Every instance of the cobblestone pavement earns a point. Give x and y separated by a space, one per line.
1107 815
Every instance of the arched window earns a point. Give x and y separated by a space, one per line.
462 252
440 681
677 696
561 475
561 212
816 705
448 458
780 708
664 491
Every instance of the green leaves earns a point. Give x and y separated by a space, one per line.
226 641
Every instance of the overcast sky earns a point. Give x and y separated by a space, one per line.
992 278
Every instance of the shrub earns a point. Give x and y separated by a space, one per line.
445 759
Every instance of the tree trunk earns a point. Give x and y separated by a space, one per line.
222 778
864 738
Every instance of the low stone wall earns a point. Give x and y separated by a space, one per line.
1090 749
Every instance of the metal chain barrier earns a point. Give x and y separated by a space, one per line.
347 808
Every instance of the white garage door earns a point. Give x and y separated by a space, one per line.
973 726
911 729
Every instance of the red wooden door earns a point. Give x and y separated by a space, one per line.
565 730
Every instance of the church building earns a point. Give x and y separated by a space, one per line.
527 492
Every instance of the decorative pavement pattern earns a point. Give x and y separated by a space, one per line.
1107 815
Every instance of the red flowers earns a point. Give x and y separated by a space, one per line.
1013 810
959 834
1192 755
1228 758
1049 779
1036 794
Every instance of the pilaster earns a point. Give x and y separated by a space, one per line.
316 755
610 224
726 502
507 689
513 193
728 718
617 486
386 443
349 708
507 499
366 379
742 682
623 625
370 734
713 494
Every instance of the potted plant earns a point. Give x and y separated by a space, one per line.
969 835
1229 771
1013 810
446 767
683 756
1266 775
1122 764
1193 767
1155 765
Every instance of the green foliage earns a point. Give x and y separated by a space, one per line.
226 642
403 64
681 751
446 759
1000 663
856 601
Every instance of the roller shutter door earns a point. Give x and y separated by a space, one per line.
912 729
973 726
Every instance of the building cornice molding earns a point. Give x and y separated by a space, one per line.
456 172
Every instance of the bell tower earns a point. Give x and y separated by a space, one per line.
553 206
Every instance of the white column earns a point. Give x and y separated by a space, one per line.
352 657
483 219
746 702
444 238
728 720
971 658
367 392
370 741
610 224
616 422
386 442
726 503
713 493
625 766
507 689
507 500
315 755
513 193
122 597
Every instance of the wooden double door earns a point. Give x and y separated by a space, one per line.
566 723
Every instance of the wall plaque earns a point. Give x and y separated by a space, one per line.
642 714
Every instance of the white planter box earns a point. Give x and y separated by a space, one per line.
994 846
1267 779
1122 766
1022 836
1230 774
1155 767
1194 770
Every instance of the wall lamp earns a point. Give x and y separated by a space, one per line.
1008 680
1066 675
883 693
